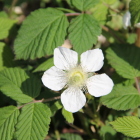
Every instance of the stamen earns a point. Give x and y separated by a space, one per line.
77 77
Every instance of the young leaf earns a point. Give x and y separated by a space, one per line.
33 122
134 7
83 4
6 56
122 98
83 32
68 116
125 60
17 84
129 126
45 65
41 32
5 26
8 119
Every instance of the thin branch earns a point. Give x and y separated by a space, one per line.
108 6
40 101
73 14
113 34
137 84
75 127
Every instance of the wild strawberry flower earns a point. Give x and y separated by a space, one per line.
77 77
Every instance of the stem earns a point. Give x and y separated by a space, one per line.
73 14
137 43
108 6
75 127
11 8
113 34
40 101
137 84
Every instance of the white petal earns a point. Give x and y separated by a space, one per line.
92 60
126 20
54 78
99 85
65 58
73 99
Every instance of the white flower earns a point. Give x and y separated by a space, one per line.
126 20
67 72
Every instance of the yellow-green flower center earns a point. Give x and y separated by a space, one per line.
76 77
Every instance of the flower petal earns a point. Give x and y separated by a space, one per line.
126 20
92 60
73 99
54 78
99 85
65 58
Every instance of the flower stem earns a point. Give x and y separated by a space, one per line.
113 34
72 14
137 84
40 101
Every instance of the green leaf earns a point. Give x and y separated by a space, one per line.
83 32
109 2
55 107
41 32
132 38
68 116
83 4
134 7
45 65
129 126
122 98
8 119
70 136
6 56
107 133
33 122
125 60
3 14
101 11
17 84
5 26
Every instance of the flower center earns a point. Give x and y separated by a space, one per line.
76 77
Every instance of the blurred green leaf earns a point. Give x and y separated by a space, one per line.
3 14
40 33
83 4
122 98
55 107
68 116
101 11
45 65
5 26
125 60
134 7
132 38
129 126
18 85
8 119
70 136
6 56
83 32
33 122
107 133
